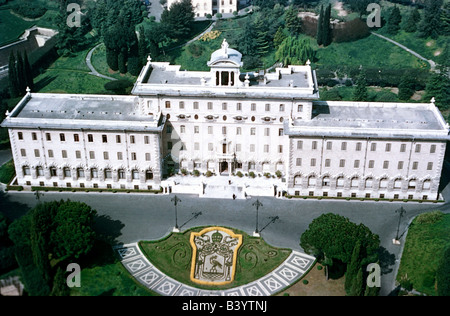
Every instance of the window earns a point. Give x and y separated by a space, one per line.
267 107
412 184
119 156
20 135
432 149
210 105
23 152
39 171
300 108
266 148
298 162
280 132
253 131
48 137
238 147
326 182
26 171
238 131
426 185
167 104
108 174
253 107
195 105
121 173
430 166
90 138
80 173
356 164
33 136
196 146
50 153
418 148
312 181
313 162
181 104
385 164
371 163
196 130
280 149
368 183
76 138
373 147
342 163
94 173
104 139
224 130
282 107
62 137
403 148
314 145
37 153
388 147
344 146
400 165
105 155
132 139
133 156
67 173
53 172
329 145
383 183
415 165
135 174
64 153
91 155
210 147
224 106
397 184
252 148
182 129
147 157
340 182
327 162
358 146
300 144
148 175
267 132
354 182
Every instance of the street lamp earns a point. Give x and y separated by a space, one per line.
257 204
401 212
175 201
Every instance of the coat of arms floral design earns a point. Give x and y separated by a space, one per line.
214 255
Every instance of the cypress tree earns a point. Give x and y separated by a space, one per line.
320 27
357 288
411 22
28 72
20 74
393 22
360 93
12 74
431 19
326 31
352 267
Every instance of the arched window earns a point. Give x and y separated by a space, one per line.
298 180
94 173
326 181
340 182
39 171
355 182
412 184
67 172
108 173
80 173
121 173
397 184
148 175
53 172
312 181
426 185
26 171
135 174
368 183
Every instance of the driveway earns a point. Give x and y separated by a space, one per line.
128 218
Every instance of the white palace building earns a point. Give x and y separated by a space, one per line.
225 121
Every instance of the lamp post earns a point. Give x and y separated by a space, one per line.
257 204
401 212
175 201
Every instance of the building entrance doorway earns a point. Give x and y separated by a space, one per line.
223 169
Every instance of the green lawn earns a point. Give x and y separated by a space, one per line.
11 27
99 62
7 172
173 256
104 275
424 247
70 75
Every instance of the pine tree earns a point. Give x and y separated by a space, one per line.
431 19
360 93
279 37
412 21
319 36
142 46
445 19
393 22
293 22
12 74
20 74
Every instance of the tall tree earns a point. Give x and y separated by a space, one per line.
445 19
319 36
438 87
293 22
20 74
393 21
430 24
412 20
353 267
12 76
360 92
327 35
28 72
179 19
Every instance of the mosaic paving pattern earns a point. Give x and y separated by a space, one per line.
148 275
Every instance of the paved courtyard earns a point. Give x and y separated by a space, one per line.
289 272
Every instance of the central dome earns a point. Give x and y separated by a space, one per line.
226 56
